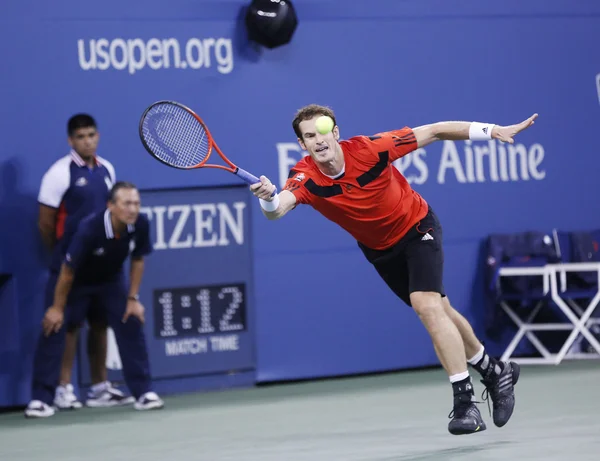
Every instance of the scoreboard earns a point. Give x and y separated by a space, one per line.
180 312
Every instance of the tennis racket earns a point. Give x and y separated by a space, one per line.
174 135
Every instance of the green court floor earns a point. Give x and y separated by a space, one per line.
394 417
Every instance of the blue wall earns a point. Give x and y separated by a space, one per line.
320 309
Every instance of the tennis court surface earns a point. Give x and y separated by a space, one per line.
392 417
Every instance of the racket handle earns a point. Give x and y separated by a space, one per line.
250 178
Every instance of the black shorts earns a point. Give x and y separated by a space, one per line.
415 263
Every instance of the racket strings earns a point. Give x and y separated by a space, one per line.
175 136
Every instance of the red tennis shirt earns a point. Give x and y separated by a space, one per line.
371 200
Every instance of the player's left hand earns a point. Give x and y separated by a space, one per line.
507 133
134 308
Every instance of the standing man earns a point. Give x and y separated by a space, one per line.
92 275
354 184
74 187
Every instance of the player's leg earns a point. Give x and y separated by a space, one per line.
393 267
425 260
499 378
465 417
472 344
102 393
132 347
65 397
446 337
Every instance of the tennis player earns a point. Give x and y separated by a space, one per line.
353 184
92 274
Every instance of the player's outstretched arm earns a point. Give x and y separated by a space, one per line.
273 207
459 131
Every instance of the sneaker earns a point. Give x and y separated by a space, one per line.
65 398
38 409
502 392
109 396
465 419
149 401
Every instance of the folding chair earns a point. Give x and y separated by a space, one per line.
520 285
579 288
569 290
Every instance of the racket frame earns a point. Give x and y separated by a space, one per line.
232 168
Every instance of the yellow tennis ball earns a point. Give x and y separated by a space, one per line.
324 124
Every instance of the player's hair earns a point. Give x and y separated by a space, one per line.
117 187
80 121
308 112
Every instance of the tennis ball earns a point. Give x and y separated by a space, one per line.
324 124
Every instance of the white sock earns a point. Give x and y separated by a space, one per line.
477 357
481 355
459 377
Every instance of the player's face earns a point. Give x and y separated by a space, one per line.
126 206
85 141
321 147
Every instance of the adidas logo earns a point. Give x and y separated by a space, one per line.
427 237
485 130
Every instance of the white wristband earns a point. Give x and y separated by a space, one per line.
480 131
270 206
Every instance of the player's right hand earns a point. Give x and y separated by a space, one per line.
53 320
263 189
